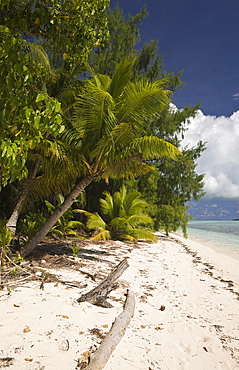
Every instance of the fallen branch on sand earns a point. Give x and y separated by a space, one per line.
98 295
100 357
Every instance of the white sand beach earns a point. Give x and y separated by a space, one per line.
186 316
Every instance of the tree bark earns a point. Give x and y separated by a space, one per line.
101 356
51 221
12 222
98 295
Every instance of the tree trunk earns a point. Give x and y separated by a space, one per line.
100 357
12 222
98 295
51 221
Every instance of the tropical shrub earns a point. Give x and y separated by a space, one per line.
30 224
122 217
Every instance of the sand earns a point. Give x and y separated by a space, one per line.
186 317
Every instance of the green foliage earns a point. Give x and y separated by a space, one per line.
30 224
5 239
168 189
172 217
26 115
66 224
75 250
110 135
56 23
121 217
17 258
29 110
107 135
124 35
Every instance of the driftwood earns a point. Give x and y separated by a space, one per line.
100 357
98 295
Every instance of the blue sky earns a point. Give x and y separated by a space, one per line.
202 38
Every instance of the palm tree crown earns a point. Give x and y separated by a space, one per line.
111 118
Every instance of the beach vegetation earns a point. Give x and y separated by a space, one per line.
121 218
38 80
30 223
75 249
173 217
109 122
86 115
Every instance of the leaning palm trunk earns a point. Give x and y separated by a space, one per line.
12 222
52 220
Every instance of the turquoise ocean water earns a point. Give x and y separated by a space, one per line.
222 235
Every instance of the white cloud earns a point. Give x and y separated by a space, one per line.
236 96
220 161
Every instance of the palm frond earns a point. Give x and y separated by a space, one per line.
94 113
102 235
67 99
139 219
130 200
152 147
79 67
95 222
126 168
38 54
121 78
119 225
101 81
107 205
143 234
142 102
122 135
136 207
75 224
128 237
119 197
122 193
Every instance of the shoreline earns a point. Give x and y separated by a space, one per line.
186 317
222 249
225 261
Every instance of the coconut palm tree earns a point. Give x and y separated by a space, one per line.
122 214
109 123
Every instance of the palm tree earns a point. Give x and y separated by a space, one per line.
122 214
110 119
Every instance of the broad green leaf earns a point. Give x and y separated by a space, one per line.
41 96
59 120
57 106
37 121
